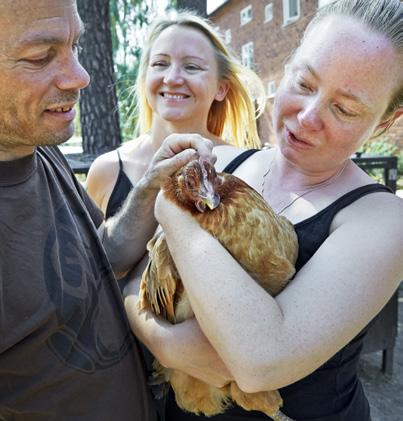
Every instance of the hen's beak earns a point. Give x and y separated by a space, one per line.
211 200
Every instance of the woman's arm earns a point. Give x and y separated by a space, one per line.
182 346
268 343
101 178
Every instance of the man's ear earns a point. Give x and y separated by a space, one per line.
222 90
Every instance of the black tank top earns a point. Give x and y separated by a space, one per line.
333 392
120 191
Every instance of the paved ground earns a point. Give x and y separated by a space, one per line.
385 393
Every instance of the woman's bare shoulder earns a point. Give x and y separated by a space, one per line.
225 154
104 166
131 146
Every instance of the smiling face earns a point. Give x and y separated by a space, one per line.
40 77
335 93
182 78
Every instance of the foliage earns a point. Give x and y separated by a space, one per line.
129 20
379 146
128 17
383 146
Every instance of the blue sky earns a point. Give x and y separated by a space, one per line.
213 4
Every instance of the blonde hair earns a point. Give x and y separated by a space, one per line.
382 16
234 118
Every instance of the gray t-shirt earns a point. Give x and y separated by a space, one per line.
66 349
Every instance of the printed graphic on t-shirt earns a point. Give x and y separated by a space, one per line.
79 284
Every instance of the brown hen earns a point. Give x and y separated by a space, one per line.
264 244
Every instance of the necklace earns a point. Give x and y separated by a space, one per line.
324 183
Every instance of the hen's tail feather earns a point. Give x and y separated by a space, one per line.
144 296
280 416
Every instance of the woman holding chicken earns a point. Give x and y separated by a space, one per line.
343 85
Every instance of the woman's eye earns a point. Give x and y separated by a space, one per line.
192 67
159 64
344 112
303 85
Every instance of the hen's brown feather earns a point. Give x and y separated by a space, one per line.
264 243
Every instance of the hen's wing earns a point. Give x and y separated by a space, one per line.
160 281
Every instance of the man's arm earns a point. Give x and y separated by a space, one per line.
126 234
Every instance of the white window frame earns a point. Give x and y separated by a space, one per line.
322 3
287 19
228 36
271 89
268 12
247 55
246 15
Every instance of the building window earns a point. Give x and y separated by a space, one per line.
271 89
322 3
246 15
268 12
290 11
247 55
228 36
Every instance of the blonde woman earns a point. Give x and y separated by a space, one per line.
188 82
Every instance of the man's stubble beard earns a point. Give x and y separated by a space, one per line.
12 136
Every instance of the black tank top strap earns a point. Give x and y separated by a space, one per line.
120 160
353 195
238 160
120 191
346 200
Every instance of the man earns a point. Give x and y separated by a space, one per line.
66 351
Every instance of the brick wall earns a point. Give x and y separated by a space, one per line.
273 42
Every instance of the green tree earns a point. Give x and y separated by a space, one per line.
129 18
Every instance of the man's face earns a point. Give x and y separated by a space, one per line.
40 76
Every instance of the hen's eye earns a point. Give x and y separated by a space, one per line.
190 183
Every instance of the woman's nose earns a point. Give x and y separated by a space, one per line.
310 117
173 76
